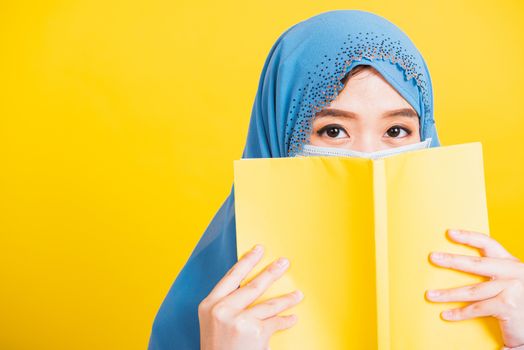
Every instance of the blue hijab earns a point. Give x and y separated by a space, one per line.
301 74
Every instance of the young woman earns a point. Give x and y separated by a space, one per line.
341 79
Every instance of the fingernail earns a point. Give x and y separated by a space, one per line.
282 262
433 293
299 295
257 248
453 233
437 256
447 314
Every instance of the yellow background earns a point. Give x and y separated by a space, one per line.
120 121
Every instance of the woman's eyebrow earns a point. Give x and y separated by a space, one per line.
333 112
402 112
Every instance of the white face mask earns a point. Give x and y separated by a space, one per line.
310 150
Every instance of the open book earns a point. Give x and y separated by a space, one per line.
358 234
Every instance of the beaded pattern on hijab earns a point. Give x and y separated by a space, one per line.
363 45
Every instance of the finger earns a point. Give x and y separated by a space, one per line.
480 291
488 245
484 266
488 307
274 306
279 323
232 279
248 293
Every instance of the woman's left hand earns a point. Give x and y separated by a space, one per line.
502 297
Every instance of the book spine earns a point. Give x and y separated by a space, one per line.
381 254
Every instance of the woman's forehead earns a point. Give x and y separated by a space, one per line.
369 90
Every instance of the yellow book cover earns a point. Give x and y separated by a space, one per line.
358 233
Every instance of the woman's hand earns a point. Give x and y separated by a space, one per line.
502 297
226 322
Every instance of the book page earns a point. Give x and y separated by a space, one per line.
318 212
429 191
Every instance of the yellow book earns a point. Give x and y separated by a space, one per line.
358 233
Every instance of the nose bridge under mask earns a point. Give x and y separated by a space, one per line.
311 150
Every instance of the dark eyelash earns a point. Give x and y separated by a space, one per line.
408 131
324 128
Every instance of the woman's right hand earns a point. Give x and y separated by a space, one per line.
226 322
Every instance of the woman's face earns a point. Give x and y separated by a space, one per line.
368 115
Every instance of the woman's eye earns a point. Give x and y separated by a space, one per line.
397 132
333 131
